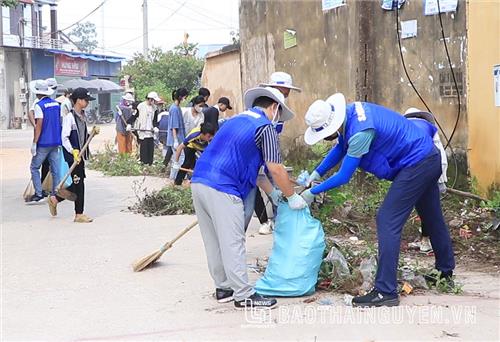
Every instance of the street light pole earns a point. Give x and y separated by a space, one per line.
145 44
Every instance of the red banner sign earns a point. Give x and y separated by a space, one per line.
69 66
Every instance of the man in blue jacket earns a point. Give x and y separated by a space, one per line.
386 144
222 179
46 138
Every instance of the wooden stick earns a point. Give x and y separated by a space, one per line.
466 194
169 244
186 170
95 131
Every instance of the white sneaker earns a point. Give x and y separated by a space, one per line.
425 245
266 228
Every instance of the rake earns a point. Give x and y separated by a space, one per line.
150 259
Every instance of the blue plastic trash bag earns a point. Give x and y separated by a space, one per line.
63 169
299 242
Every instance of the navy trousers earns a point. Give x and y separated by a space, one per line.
414 187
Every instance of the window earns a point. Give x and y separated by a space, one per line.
6 20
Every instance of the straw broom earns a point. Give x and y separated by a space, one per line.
61 190
150 259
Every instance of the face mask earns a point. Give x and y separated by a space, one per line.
197 109
276 116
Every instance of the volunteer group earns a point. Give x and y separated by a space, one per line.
231 161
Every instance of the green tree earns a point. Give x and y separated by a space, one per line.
9 3
163 72
84 35
186 49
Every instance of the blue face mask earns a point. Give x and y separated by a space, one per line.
278 126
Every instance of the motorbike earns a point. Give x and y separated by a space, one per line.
97 117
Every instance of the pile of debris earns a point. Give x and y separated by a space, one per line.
171 200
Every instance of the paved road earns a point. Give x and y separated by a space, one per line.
64 281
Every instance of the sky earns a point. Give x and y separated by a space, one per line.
119 22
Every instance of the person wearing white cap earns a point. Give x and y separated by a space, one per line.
145 127
391 147
46 138
123 114
223 177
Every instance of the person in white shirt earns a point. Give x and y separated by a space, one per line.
146 130
193 116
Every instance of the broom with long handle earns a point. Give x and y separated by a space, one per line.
63 192
150 259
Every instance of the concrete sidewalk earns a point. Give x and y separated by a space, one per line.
67 281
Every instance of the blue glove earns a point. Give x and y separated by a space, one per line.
276 196
308 196
296 202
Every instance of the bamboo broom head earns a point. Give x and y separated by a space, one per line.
147 261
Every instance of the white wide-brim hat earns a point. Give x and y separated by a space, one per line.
281 79
324 118
252 94
420 114
41 87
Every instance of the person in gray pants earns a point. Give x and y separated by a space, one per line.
223 177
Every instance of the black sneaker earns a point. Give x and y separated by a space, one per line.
224 295
256 301
374 299
45 193
35 199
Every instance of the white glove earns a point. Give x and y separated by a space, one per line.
442 187
313 177
176 165
129 128
308 196
296 202
118 109
276 196
33 149
156 130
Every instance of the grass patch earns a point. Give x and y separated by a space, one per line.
112 163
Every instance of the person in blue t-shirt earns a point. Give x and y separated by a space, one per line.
388 145
223 177
46 138
176 131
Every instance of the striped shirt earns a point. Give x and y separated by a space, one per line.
194 141
266 139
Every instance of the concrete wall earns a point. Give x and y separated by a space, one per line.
222 76
353 49
14 63
483 27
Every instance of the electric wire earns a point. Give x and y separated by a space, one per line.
448 141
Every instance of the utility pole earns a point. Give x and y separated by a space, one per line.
145 44
103 17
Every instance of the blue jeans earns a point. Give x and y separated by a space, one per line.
414 187
43 153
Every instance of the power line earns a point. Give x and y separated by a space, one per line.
82 19
214 21
154 28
